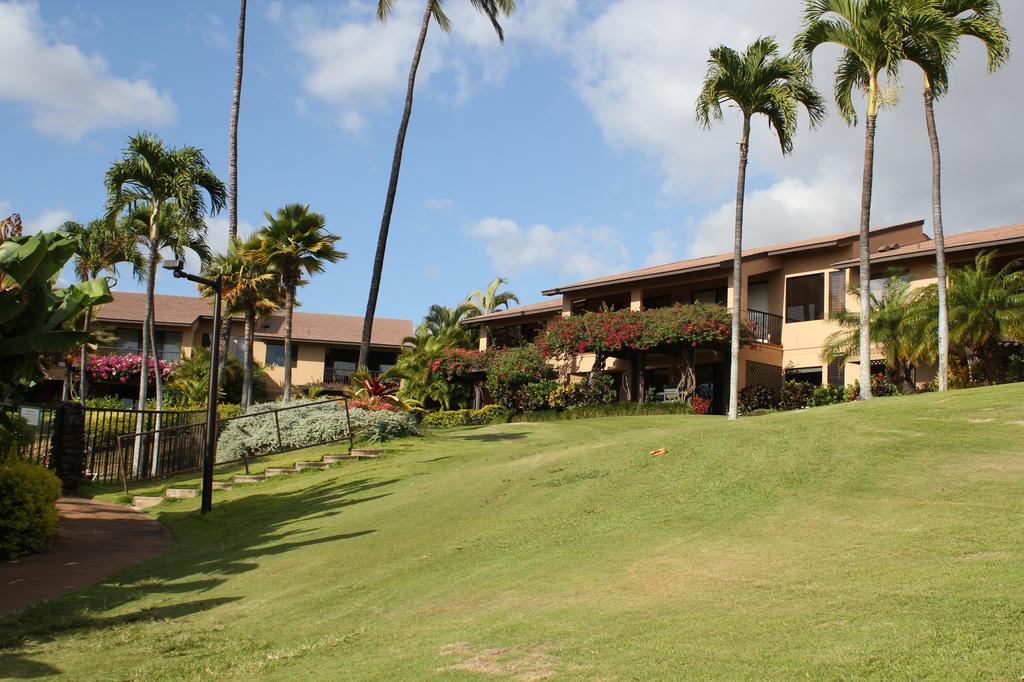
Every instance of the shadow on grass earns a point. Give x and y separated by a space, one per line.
494 437
207 552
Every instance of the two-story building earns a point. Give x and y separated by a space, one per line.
324 347
789 290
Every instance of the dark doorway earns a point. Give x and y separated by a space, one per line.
711 384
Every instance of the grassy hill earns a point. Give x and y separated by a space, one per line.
864 540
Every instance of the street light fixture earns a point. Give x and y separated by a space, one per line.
177 267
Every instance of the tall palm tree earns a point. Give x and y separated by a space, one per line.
490 299
98 248
981 19
155 179
870 33
236 100
295 243
899 326
758 81
492 9
249 289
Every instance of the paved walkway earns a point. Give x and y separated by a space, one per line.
94 540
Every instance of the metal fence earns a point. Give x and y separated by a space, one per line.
180 449
104 429
40 419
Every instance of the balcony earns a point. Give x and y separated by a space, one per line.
171 354
341 377
767 326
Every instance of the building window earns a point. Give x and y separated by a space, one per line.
805 298
836 373
275 354
880 285
128 340
836 292
717 295
807 375
655 302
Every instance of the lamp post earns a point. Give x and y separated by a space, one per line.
177 267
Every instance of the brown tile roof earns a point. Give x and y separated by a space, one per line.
717 261
963 241
187 310
519 311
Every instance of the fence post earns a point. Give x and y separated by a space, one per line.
67 446
277 424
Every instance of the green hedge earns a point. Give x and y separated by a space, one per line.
613 410
447 419
28 511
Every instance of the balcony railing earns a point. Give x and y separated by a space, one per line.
767 326
333 375
167 354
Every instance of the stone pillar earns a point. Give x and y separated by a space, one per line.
67 445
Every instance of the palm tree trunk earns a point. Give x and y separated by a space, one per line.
389 201
140 420
289 309
82 375
247 361
158 381
865 247
737 273
940 244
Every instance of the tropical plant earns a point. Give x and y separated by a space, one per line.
249 288
380 392
189 383
758 81
415 364
986 307
35 318
899 327
167 188
446 323
490 299
295 244
981 19
98 248
492 9
870 33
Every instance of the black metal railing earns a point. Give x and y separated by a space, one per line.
333 375
104 428
767 326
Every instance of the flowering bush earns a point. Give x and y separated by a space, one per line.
609 332
701 405
123 367
595 389
509 371
753 398
371 405
458 363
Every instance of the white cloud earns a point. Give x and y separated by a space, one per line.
665 248
439 204
47 221
578 251
275 10
639 65
68 93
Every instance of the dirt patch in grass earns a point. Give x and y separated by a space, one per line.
983 556
525 665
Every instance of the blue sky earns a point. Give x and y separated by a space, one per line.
570 151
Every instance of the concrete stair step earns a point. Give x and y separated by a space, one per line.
145 501
249 478
334 459
180 493
280 471
312 465
222 485
367 452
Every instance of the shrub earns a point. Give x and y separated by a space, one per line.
28 511
795 395
445 419
701 405
508 371
828 395
612 410
15 434
881 386
107 402
228 410
753 398
306 426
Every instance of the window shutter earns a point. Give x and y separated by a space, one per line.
836 292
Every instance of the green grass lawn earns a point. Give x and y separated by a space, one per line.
876 540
